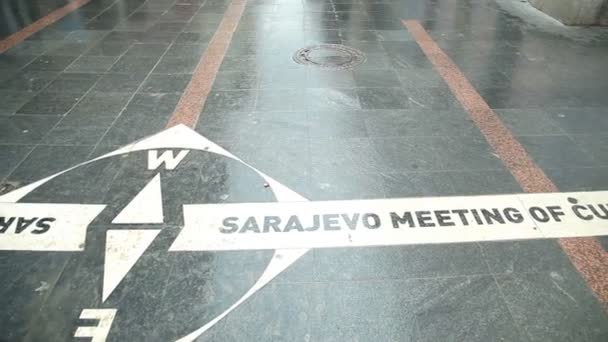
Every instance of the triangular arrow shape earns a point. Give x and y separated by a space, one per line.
145 207
123 249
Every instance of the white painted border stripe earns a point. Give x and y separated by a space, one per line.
203 223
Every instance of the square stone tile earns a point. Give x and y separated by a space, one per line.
161 83
579 178
471 153
484 183
383 98
556 152
25 129
417 184
234 80
28 81
151 104
419 122
355 155
11 156
337 123
119 82
50 103
45 160
10 101
529 122
408 154
147 50
526 256
108 49
63 135
223 101
332 99
343 186
554 306
181 65
92 64
185 50
134 65
75 83
51 63
376 78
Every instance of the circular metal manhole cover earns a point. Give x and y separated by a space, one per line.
330 56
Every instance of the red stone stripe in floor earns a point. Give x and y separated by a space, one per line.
39 24
193 100
587 255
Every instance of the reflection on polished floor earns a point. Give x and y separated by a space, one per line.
332 99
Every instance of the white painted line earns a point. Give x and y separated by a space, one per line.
145 207
382 222
45 227
123 249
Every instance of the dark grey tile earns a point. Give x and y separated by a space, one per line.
51 63
50 103
394 35
28 81
152 104
46 160
11 156
337 123
70 135
408 154
119 83
74 83
69 49
230 101
581 120
337 155
554 306
262 153
186 50
132 126
437 98
421 310
556 152
329 78
331 99
295 302
383 98
148 50
414 184
525 256
579 178
376 78
529 122
11 101
233 80
181 65
108 49
101 103
484 182
25 129
161 83
419 77
419 122
466 153
595 145
283 78
92 64
29 48
344 185
194 37
134 65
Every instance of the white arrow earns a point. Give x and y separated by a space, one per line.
123 249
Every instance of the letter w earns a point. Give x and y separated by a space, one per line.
167 158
